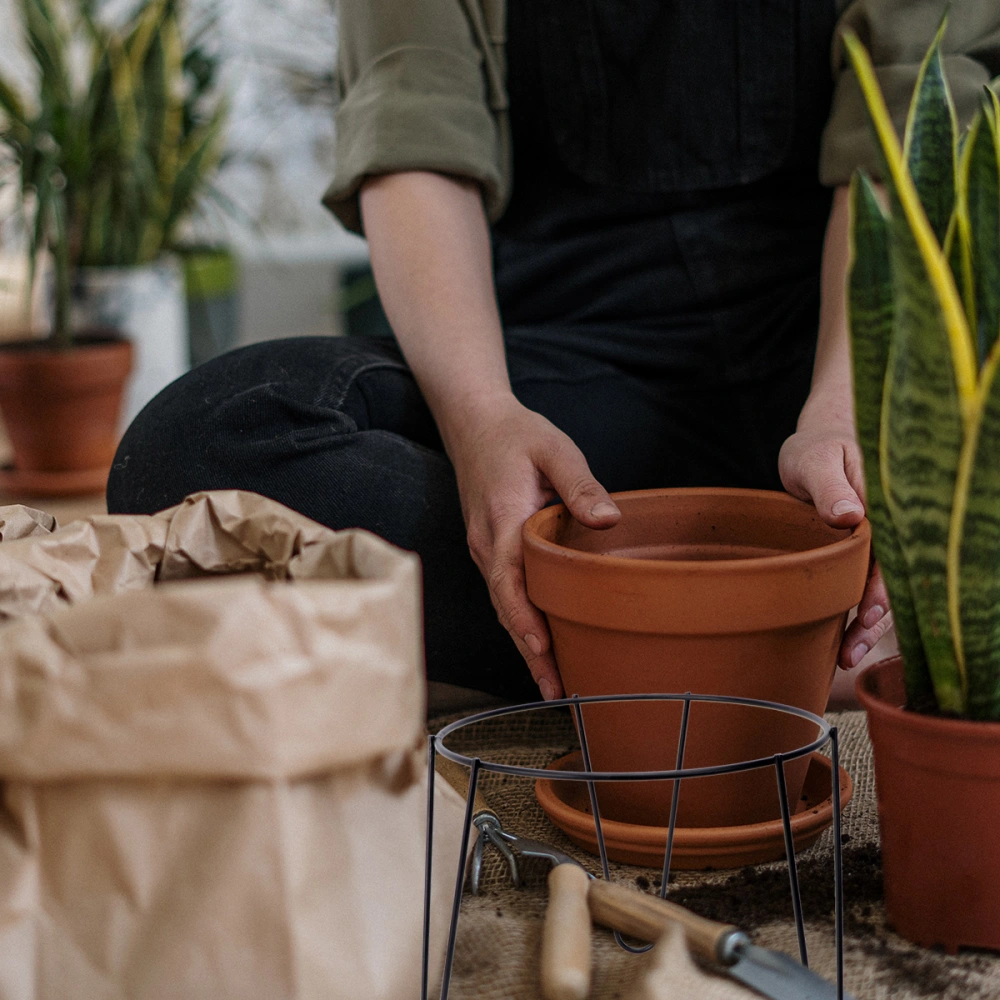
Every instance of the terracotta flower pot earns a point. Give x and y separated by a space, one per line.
61 409
713 591
938 786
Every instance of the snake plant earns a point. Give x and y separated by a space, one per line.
924 308
112 149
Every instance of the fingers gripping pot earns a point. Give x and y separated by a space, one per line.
208 783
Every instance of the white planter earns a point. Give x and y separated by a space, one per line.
148 305
16 316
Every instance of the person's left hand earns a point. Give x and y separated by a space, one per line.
821 462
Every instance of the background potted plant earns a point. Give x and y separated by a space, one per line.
110 153
924 294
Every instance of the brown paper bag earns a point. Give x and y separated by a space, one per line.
213 788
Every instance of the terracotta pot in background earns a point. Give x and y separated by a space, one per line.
713 591
938 786
61 409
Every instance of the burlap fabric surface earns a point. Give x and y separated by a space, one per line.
499 931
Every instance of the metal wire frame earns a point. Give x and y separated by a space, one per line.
826 734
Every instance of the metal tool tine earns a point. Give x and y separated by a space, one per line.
504 849
529 848
477 862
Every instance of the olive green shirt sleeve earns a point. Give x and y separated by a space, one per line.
897 34
421 88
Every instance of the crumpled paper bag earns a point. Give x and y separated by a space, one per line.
213 788
675 976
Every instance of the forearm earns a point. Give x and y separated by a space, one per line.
430 251
821 461
830 398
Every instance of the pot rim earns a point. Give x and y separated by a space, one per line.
860 535
874 704
86 338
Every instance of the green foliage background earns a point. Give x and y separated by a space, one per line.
109 165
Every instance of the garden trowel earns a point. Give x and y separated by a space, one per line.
723 946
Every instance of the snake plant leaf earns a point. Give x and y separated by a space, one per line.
977 527
46 40
930 395
922 433
144 34
958 251
930 144
124 92
992 99
13 106
903 191
979 180
199 155
165 141
870 310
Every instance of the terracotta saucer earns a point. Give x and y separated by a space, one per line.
27 483
567 804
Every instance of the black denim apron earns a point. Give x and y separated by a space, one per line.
658 274
667 220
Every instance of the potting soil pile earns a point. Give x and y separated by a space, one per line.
497 953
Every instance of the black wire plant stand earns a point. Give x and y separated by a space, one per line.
826 735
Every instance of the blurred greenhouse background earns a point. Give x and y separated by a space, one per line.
296 270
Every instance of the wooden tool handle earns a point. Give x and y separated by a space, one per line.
458 777
566 936
643 916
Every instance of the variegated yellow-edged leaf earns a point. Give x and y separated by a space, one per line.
899 181
930 144
929 397
48 44
980 188
123 90
870 310
144 32
993 101
958 251
12 104
921 437
977 527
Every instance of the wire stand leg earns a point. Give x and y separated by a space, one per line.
793 874
595 809
838 863
428 863
675 798
460 879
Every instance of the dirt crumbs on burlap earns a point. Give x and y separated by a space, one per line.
499 931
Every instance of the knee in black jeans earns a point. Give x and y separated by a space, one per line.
337 430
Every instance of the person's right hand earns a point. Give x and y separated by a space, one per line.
511 462
430 250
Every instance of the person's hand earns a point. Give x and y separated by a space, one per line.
822 463
511 462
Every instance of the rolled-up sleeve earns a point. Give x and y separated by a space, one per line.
413 97
897 34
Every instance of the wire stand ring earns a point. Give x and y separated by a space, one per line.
827 734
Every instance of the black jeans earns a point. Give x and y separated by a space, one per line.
337 429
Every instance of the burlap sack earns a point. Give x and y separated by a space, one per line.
213 788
